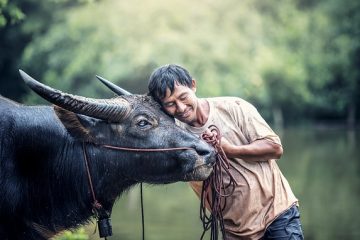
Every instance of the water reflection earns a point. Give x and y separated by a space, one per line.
322 166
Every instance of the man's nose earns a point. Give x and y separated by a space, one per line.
180 107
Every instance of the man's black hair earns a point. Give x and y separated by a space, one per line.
165 77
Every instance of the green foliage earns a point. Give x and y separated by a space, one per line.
281 62
25 20
76 235
9 13
138 37
332 61
294 57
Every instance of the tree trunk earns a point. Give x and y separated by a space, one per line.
351 117
278 118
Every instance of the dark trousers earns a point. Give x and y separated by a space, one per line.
287 226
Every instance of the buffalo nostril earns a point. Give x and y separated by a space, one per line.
203 152
203 149
206 151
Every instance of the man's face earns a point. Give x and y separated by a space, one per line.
182 103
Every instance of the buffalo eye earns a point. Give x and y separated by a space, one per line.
143 124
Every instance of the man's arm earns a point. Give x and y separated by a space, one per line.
259 150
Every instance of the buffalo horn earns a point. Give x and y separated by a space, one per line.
116 89
113 110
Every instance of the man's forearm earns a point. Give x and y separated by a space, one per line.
260 150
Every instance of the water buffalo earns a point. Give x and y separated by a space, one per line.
45 151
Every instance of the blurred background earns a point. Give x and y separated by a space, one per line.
297 61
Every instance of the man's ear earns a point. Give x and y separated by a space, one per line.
77 125
193 85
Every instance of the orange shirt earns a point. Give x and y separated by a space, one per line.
262 192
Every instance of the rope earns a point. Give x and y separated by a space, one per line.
145 149
96 204
142 211
214 191
97 207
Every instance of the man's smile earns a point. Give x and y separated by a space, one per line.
184 114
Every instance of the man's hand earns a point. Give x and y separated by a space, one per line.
210 137
227 147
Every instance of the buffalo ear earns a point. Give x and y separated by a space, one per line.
75 124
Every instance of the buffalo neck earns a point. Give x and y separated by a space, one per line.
52 168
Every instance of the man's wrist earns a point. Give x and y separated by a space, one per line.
233 151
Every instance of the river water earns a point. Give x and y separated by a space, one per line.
321 165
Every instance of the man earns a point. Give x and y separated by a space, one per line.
262 205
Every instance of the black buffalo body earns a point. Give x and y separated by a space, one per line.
44 186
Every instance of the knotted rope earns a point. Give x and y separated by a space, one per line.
214 191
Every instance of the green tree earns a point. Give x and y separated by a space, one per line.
331 59
281 59
22 21
292 57
9 13
210 38
344 49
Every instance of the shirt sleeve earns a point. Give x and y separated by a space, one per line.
252 124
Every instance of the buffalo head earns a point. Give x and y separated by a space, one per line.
130 121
